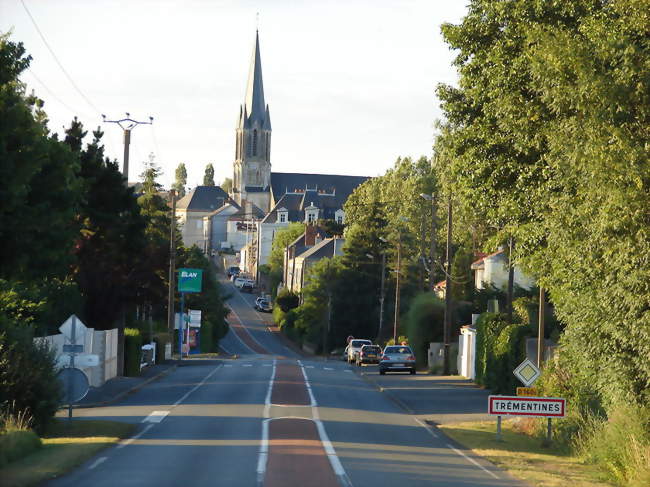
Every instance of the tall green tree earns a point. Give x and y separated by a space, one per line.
546 139
181 180
208 177
226 185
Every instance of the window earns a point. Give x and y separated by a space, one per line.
283 217
254 142
339 220
199 224
249 145
310 218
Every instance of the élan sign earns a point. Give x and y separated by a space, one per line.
546 407
189 280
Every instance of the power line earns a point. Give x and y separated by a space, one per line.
52 94
74 85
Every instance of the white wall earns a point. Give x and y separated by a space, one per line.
266 234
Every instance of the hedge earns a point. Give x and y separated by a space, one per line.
132 351
500 347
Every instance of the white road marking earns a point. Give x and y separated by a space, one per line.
99 461
246 365
472 461
309 366
267 401
263 453
155 417
328 368
426 427
133 438
333 458
197 386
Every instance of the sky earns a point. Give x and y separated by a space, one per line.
350 84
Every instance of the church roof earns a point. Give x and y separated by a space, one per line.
337 188
203 198
255 108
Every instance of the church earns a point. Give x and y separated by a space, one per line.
261 201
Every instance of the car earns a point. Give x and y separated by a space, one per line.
247 286
345 354
397 358
239 281
354 347
264 305
369 354
233 271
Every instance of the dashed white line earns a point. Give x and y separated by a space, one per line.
246 365
328 368
263 453
97 462
472 461
155 417
197 386
426 427
267 400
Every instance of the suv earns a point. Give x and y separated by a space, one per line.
397 358
263 305
369 354
232 271
354 347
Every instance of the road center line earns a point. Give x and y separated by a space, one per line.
198 385
267 401
426 427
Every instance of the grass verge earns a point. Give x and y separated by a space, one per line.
523 456
65 446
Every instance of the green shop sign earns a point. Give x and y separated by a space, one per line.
189 280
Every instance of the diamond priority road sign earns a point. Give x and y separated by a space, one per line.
527 373
547 407
189 280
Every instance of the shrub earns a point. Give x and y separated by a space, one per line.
28 371
287 300
424 324
17 444
132 351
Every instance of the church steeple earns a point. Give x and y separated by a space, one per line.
252 168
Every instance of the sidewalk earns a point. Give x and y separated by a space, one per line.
115 389
433 398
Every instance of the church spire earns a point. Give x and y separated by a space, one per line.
255 105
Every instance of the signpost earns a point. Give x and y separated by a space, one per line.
189 281
527 373
75 380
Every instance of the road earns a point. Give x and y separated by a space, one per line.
273 418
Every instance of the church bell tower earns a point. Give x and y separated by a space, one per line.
252 167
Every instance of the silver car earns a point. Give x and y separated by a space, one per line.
354 347
397 358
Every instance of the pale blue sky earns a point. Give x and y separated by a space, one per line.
350 84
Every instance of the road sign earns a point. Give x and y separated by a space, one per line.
189 280
526 391
73 348
74 384
547 407
195 317
527 373
79 329
82 360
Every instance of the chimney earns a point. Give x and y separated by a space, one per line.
310 235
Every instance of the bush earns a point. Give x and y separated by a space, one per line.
287 300
424 324
17 444
28 381
132 351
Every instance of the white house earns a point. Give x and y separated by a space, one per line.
492 270
191 210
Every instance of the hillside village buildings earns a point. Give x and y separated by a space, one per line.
261 202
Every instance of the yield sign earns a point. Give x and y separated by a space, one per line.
527 372
79 329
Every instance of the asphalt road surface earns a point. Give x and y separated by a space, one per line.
270 418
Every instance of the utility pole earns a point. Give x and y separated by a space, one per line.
447 324
399 257
172 266
127 124
511 279
381 295
540 331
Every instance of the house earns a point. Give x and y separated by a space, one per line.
312 235
191 210
492 270
297 268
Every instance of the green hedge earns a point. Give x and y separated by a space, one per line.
424 324
17 444
132 351
500 347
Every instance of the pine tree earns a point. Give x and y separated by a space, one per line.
208 177
181 180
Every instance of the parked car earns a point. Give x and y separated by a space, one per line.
354 347
233 271
264 305
345 354
397 358
248 286
369 354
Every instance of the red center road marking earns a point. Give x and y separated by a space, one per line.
244 335
289 386
297 456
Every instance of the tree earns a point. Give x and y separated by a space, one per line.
546 139
226 185
208 177
181 180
